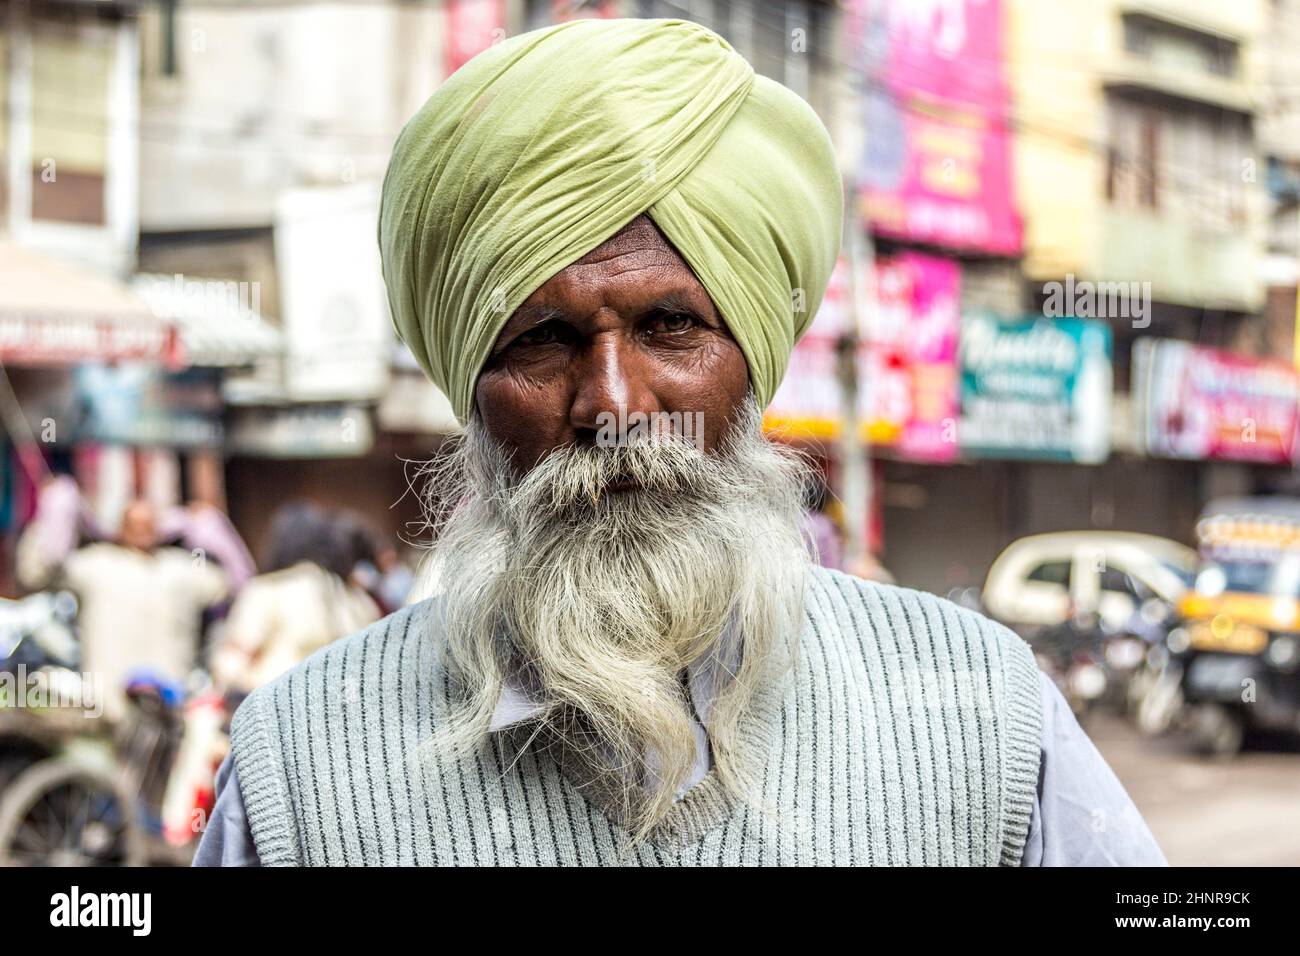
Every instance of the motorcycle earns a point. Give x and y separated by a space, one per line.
1099 666
78 791
1155 695
1072 655
38 643
39 631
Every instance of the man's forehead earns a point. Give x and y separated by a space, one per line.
639 234
637 247
637 266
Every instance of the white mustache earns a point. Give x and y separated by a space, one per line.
583 477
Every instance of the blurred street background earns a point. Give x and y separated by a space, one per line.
1054 376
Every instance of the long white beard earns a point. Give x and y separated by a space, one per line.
599 600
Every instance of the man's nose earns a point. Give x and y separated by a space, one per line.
612 385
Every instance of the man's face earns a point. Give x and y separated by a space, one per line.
626 325
139 529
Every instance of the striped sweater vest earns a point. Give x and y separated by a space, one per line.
906 734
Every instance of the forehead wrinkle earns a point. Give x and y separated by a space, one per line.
656 279
641 234
644 257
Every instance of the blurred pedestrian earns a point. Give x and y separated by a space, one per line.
395 577
376 567
141 605
303 602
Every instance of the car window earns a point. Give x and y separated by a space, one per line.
1113 579
1052 572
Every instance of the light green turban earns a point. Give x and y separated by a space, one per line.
548 143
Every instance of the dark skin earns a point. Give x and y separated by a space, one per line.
627 323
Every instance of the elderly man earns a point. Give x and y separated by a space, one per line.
630 658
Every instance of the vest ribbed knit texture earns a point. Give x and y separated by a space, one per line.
907 734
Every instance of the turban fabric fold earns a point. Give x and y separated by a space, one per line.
546 144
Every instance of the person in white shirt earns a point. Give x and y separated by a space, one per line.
302 603
141 605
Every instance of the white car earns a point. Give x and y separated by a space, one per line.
1040 580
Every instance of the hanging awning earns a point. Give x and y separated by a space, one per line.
218 320
54 313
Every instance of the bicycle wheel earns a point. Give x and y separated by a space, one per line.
59 813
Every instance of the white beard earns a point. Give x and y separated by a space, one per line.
599 600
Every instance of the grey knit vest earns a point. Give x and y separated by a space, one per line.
907 733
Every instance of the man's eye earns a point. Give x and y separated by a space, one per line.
548 333
672 322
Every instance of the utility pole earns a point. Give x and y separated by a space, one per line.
854 448
1295 331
